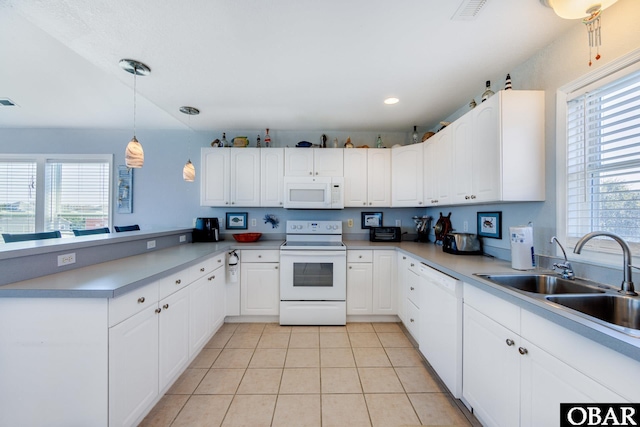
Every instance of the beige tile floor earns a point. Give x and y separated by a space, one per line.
256 374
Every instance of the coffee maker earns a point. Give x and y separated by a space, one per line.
207 230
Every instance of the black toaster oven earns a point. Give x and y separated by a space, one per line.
385 234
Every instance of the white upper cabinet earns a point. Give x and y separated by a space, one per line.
407 180
438 164
245 177
215 177
498 150
367 177
313 161
272 177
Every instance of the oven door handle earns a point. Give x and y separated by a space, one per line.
312 253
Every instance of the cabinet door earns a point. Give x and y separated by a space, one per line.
133 367
173 335
298 161
486 152
547 382
462 160
272 177
218 294
403 271
359 288
328 161
491 370
245 177
431 160
407 182
199 313
384 282
379 177
355 178
215 177
259 288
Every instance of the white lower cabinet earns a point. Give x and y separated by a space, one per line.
133 367
199 314
412 300
371 282
508 380
173 332
259 282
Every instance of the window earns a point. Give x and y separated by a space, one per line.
62 193
602 161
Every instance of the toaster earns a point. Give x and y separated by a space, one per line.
385 234
462 244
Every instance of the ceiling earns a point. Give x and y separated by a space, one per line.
252 64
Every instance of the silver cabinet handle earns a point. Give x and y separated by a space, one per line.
473 196
364 203
202 269
404 257
466 197
158 310
359 256
412 265
276 267
178 281
219 261
166 306
510 342
350 267
259 256
419 203
141 300
523 351
316 173
310 173
411 320
211 278
370 203
412 288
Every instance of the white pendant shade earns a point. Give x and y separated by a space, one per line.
577 9
189 172
134 155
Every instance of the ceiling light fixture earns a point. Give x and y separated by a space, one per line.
589 11
189 171
391 101
134 155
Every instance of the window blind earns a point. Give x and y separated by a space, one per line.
17 197
76 195
603 162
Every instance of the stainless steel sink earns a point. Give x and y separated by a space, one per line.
620 310
541 284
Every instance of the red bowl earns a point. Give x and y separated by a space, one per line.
247 237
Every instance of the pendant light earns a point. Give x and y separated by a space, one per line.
414 136
189 171
134 155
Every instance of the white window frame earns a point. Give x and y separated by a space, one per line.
624 65
41 161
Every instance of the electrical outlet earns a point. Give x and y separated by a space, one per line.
398 223
66 259
253 222
465 226
350 222
183 238
151 244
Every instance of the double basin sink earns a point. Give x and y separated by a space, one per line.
594 301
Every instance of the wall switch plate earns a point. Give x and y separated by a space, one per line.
183 238
253 222
66 259
350 222
398 223
151 244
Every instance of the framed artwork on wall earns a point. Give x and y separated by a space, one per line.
490 224
236 221
371 219
125 189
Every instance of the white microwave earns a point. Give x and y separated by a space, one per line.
313 192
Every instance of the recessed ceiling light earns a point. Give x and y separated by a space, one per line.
6 102
391 101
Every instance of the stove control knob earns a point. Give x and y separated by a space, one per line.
328 227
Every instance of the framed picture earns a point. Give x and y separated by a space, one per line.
236 221
371 219
490 224
125 189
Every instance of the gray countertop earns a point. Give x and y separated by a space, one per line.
113 278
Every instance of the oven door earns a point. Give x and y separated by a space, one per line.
310 275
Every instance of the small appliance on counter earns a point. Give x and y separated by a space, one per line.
423 227
522 256
461 244
385 234
207 230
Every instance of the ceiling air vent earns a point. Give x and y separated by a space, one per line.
6 102
468 10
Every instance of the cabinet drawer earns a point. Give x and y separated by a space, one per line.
206 266
413 319
174 282
127 305
412 288
260 256
360 256
414 265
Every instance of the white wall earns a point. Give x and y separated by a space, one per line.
560 63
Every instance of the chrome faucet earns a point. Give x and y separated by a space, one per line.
627 284
567 270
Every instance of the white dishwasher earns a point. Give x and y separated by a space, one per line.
441 325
